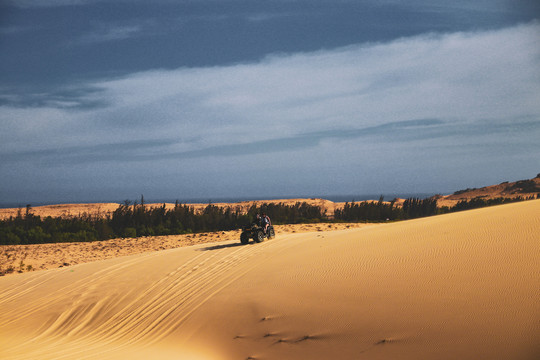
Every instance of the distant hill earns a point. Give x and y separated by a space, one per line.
520 188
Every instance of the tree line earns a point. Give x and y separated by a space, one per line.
387 211
137 219
413 208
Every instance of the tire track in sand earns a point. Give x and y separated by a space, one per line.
77 289
160 308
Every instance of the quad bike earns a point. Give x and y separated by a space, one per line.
256 232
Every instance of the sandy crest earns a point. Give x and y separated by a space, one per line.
62 210
26 258
457 286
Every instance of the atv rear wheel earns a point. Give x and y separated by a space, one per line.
244 238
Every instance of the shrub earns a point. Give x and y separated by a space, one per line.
9 238
130 232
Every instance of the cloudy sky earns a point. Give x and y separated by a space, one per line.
107 100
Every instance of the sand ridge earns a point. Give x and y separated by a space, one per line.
462 285
15 259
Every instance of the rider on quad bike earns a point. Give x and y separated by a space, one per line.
260 229
265 222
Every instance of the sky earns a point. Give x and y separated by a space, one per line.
107 100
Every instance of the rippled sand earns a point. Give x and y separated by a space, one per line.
457 286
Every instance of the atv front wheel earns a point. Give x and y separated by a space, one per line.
259 236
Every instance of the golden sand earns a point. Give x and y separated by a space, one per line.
457 286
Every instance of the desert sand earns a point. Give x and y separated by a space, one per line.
457 286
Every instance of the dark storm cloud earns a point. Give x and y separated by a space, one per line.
121 37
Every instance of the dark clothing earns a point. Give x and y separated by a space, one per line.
265 223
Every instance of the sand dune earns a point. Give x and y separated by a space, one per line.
458 286
62 210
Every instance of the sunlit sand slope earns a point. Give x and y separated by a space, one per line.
459 286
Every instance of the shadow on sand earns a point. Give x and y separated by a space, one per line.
224 246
